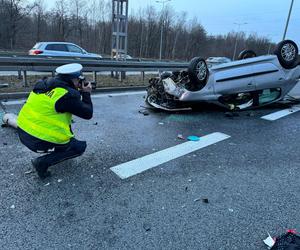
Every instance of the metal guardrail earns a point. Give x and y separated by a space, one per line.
89 65
42 64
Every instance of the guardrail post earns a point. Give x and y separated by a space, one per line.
25 83
95 76
122 75
143 76
19 74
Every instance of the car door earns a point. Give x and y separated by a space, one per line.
267 75
56 49
236 77
75 50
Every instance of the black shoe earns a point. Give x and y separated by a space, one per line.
42 170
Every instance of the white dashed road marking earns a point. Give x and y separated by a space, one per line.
142 164
282 113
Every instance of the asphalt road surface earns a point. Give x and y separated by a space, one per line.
224 192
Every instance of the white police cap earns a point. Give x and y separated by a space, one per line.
72 69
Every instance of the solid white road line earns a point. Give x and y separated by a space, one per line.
118 94
16 102
142 164
277 115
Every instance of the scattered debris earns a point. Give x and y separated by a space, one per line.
96 123
250 114
290 240
4 143
144 112
29 172
231 114
72 121
269 241
230 210
205 200
189 180
149 107
59 180
180 136
161 123
92 176
186 189
147 227
193 138
12 206
232 144
47 184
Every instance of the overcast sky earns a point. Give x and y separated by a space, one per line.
264 17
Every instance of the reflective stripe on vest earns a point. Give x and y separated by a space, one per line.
39 118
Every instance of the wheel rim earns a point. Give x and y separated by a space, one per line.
201 70
152 99
288 52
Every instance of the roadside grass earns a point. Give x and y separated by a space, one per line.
103 81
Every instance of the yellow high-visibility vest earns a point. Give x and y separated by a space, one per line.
39 118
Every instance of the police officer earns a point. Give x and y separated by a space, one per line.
44 122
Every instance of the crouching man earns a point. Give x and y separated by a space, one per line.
44 122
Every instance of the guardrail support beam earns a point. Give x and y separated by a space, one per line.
143 76
19 74
95 76
25 83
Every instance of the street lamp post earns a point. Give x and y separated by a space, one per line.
161 30
236 40
288 20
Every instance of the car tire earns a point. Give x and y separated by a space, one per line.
198 73
245 54
165 75
287 53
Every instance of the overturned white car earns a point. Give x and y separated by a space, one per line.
247 83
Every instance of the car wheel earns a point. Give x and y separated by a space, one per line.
151 98
198 72
287 53
165 75
246 54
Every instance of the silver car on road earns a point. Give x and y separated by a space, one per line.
60 49
246 83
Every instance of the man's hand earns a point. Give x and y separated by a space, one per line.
86 87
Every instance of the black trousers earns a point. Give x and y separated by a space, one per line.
54 153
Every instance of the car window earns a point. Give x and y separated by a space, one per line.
57 47
269 95
73 48
36 46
